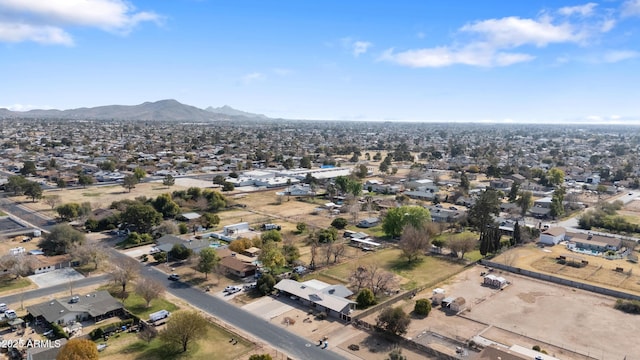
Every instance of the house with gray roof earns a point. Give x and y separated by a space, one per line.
320 296
93 306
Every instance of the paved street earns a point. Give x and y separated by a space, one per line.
289 343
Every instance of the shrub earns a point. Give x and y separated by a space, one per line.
365 299
96 334
339 223
183 228
58 332
536 347
265 284
422 307
628 306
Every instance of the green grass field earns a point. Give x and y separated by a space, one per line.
9 283
425 271
137 305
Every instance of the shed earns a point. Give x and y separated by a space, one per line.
458 304
553 236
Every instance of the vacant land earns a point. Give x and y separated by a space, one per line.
570 323
427 270
599 271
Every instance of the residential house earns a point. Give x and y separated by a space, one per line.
167 242
368 222
594 242
235 266
552 236
93 306
320 296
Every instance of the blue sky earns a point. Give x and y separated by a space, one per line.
479 61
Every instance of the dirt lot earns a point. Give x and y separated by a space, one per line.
562 320
600 271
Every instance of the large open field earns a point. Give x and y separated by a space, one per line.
572 324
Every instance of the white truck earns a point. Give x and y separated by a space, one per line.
158 315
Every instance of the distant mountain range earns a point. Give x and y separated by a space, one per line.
163 110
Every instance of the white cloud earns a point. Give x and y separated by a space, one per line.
53 16
21 107
630 8
360 47
582 10
620 55
514 31
252 77
473 55
17 32
356 47
493 42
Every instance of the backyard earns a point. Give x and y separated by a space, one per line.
214 345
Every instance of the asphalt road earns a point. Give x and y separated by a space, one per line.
45 292
289 343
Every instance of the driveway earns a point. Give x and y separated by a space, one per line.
56 277
267 307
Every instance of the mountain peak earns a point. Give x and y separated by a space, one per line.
229 111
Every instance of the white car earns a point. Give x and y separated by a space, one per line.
232 289
10 314
3 307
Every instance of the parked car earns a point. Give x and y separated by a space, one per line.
3 307
174 277
10 314
232 289
101 347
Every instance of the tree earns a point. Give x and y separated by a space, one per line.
183 328
129 182
168 180
84 180
125 269
462 244
68 212
180 252
33 190
464 183
20 265
78 349
555 176
16 184
61 238
339 223
517 236
397 218
139 173
422 307
557 202
89 253
160 256
270 256
142 217
338 251
413 242
271 235
149 289
396 354
305 162
513 192
291 252
301 227
327 235
365 298
260 357
481 214
52 200
207 261
228 186
265 284
165 205
209 220
28 168
393 320
525 201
